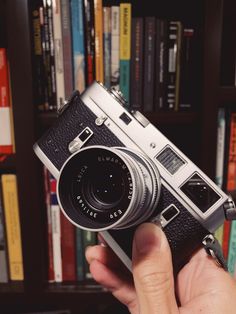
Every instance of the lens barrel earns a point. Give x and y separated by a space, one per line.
102 188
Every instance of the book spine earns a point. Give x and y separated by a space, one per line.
160 99
59 66
149 63
68 249
225 238
231 178
37 55
89 239
47 194
6 137
187 71
232 249
220 148
3 247
67 47
172 64
107 45
52 69
125 48
80 269
90 40
56 231
136 75
115 46
98 21
78 44
13 230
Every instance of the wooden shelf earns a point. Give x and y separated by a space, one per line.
227 94
12 287
9 163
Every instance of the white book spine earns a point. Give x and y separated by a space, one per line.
56 242
58 50
115 46
220 148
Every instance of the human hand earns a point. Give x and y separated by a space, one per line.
201 286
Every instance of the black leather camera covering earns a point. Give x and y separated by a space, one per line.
54 143
184 233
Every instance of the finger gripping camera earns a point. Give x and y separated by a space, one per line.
115 170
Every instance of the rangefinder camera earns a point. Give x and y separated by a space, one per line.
116 170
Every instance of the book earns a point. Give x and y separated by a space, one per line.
231 262
220 148
67 48
136 75
90 40
38 68
58 49
161 67
3 247
13 229
98 29
174 41
149 63
77 17
107 45
231 170
125 48
89 238
187 94
6 121
46 176
68 249
115 46
80 259
56 231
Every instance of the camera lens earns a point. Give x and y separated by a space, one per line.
101 188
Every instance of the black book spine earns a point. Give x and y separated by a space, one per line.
52 71
67 47
161 66
187 72
37 55
149 62
136 83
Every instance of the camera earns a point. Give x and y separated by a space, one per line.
116 170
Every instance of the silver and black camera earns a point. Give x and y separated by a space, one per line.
115 170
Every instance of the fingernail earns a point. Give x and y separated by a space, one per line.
147 237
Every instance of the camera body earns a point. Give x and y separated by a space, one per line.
115 170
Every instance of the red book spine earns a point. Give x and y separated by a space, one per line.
225 241
6 145
51 275
68 250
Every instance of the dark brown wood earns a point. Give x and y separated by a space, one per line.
211 83
227 95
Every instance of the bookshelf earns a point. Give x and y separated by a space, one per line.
35 294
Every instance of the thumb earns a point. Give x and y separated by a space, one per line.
152 271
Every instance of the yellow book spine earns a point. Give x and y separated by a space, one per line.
125 31
13 232
98 18
219 234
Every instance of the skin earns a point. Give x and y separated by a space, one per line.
200 287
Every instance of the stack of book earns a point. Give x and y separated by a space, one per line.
75 42
66 243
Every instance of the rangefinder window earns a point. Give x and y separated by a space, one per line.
200 193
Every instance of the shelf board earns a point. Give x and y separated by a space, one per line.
9 163
227 94
12 287
74 288
164 118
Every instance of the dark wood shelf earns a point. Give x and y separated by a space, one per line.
8 163
227 95
74 288
12 287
